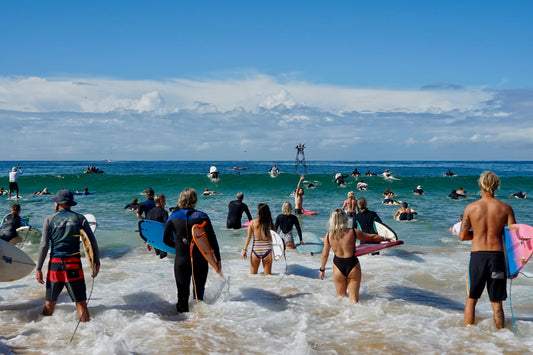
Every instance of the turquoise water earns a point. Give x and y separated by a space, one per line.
411 297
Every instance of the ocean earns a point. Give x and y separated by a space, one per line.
411 299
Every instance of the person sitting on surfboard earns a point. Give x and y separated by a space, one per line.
346 268
178 233
10 223
61 231
483 223
285 222
299 197
260 229
404 213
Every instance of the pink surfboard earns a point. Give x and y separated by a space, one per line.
364 249
246 224
308 213
518 247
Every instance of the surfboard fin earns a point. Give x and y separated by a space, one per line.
512 228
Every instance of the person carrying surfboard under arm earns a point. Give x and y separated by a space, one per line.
178 233
346 267
483 224
61 232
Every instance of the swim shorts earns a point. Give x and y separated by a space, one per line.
487 268
287 237
13 185
298 211
65 272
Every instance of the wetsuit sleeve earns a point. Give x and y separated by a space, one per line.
212 238
94 244
376 218
276 224
297 225
43 246
247 211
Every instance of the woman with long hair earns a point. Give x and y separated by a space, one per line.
260 229
346 267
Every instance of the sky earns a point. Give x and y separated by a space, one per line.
249 80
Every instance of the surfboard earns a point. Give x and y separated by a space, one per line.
308 213
518 247
384 230
92 221
200 239
26 234
88 250
277 245
246 224
15 197
313 244
364 249
14 263
152 233
83 192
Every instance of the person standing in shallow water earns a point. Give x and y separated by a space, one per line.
483 224
260 229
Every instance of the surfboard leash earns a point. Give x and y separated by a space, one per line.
511 301
86 310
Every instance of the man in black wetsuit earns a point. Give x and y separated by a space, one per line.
364 220
235 211
178 233
159 214
147 205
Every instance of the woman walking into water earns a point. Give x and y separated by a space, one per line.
262 240
285 222
346 267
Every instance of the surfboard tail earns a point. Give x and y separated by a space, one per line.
200 239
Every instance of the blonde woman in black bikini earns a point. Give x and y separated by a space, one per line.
262 240
346 267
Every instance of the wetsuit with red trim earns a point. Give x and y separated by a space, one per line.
61 233
178 234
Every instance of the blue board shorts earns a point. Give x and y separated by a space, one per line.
487 268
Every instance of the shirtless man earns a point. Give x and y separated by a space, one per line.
299 197
405 213
350 204
487 217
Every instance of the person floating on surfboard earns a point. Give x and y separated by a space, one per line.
483 224
62 230
178 233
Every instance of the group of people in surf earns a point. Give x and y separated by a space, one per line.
91 169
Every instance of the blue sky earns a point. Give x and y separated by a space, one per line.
248 80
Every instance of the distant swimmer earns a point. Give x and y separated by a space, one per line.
355 173
404 213
389 201
361 185
350 204
274 171
339 179
519 194
208 192
133 206
388 193
461 192
368 173
43 192
449 173
418 190
387 174
214 175
454 195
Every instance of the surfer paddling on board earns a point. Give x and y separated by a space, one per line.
61 232
483 224
260 229
346 267
178 233
299 197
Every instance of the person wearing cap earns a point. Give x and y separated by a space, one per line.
419 190
147 205
235 210
61 233
13 185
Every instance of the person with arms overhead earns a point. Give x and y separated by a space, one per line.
483 224
178 232
285 223
346 267
259 229
299 197
61 233
235 210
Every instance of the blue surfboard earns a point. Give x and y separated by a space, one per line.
313 244
152 233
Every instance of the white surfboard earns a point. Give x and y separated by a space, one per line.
92 221
27 234
14 263
277 245
384 230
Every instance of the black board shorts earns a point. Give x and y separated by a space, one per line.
65 272
487 268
